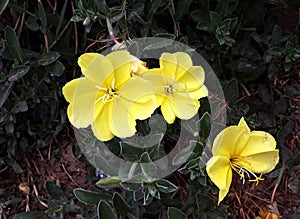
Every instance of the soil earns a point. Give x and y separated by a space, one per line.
63 169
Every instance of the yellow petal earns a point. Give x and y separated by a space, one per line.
197 94
138 97
167 111
69 89
193 78
96 67
228 141
122 124
121 61
85 59
258 142
222 195
184 62
243 124
101 127
158 81
183 106
82 110
137 89
219 171
262 162
143 110
168 64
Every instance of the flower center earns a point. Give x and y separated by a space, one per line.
238 163
172 83
109 95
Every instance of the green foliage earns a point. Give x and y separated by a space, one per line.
248 52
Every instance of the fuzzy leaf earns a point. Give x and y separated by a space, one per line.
105 211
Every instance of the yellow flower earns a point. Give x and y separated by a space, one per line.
108 98
178 85
237 148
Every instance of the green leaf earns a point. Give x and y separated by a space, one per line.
105 211
165 186
202 180
3 4
55 191
48 58
204 126
287 66
175 213
205 203
122 207
110 181
293 40
147 166
182 8
199 16
222 7
231 91
90 197
29 215
183 155
42 16
102 164
5 90
151 7
134 183
57 69
276 51
13 43
130 151
215 19
221 39
205 25
18 72
158 45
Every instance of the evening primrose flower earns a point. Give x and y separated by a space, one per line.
246 152
107 97
177 85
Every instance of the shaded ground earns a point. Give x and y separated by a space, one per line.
62 168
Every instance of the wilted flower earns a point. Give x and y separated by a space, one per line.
138 67
108 98
237 148
270 212
178 86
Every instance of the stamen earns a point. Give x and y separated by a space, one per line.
172 83
236 163
113 83
101 88
109 95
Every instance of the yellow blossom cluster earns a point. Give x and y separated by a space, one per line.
118 89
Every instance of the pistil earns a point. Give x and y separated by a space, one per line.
237 164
